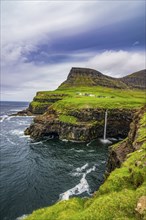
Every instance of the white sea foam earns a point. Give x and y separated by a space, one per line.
112 139
15 110
7 138
25 136
2 118
79 151
88 143
80 169
90 170
11 141
80 188
64 140
22 217
76 174
105 141
9 118
36 143
17 132
120 139
83 186
23 122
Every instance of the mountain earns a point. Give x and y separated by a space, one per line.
135 80
90 77
86 77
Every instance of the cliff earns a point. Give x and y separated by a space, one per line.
75 111
81 125
118 152
122 195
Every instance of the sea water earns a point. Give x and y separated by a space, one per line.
37 174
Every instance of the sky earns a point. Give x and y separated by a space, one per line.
42 40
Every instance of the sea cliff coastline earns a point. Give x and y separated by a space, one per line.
76 110
80 115
122 195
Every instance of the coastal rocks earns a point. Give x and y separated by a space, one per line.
54 128
25 112
89 125
119 151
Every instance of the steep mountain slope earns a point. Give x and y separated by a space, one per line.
135 80
89 77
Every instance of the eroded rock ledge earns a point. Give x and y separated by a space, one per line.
89 124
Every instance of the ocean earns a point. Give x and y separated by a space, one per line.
35 174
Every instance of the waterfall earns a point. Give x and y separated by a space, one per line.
105 125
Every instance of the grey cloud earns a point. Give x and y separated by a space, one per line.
48 77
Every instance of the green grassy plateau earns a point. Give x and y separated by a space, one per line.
63 100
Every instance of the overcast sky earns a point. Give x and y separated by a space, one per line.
42 40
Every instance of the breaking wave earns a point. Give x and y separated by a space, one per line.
81 187
17 132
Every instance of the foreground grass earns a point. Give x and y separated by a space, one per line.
116 199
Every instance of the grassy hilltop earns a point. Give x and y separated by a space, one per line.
86 88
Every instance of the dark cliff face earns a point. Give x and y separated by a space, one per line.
75 71
90 125
118 152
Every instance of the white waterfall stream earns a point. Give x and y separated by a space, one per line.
105 125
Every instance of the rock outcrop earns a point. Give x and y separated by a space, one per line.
89 124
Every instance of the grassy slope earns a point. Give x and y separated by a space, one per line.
116 198
110 98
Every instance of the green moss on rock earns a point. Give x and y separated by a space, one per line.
68 119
